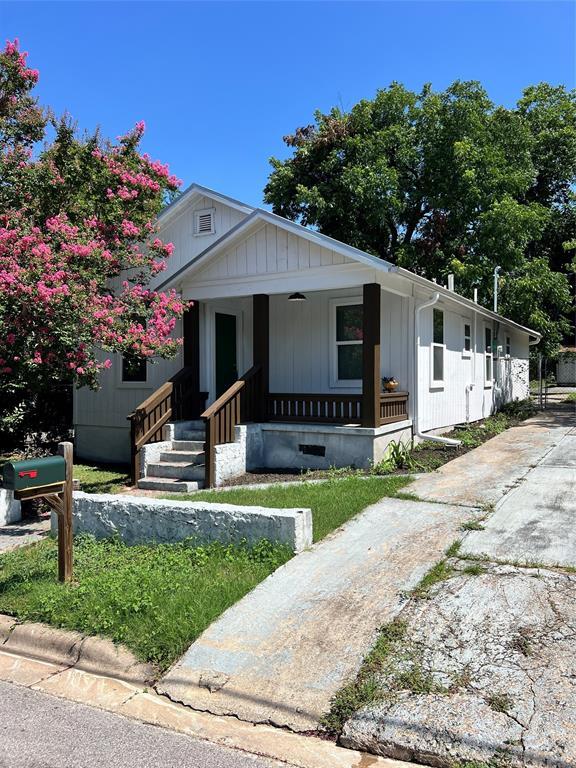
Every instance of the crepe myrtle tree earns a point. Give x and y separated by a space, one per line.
78 245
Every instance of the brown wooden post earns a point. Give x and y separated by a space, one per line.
261 349
191 355
134 452
65 537
371 355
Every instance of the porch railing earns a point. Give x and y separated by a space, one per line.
175 400
238 405
329 409
333 409
393 407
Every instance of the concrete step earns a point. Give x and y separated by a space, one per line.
175 470
183 457
192 434
170 485
187 445
180 427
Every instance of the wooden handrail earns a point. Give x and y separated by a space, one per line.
176 399
237 405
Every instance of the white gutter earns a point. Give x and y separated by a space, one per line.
416 419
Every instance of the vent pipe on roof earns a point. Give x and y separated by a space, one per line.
451 283
496 273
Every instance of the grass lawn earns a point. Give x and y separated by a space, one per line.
155 599
332 502
102 478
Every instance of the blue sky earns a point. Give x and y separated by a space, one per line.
218 84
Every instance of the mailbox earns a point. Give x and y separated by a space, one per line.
34 473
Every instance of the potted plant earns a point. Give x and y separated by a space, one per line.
389 384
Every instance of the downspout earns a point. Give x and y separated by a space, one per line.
470 387
416 419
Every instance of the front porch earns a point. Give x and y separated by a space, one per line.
348 369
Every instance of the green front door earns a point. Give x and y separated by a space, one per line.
226 368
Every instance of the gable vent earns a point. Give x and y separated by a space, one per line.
204 222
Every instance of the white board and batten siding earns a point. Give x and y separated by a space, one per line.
180 230
102 430
270 250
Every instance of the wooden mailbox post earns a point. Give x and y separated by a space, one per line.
52 481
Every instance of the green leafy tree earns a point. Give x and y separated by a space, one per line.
446 182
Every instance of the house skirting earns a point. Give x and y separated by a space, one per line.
305 446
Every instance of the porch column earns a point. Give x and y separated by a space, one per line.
191 355
261 347
371 355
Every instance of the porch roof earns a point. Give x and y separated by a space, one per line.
259 216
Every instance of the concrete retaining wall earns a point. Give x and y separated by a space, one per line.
138 520
9 508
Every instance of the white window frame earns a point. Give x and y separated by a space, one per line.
467 353
203 212
437 383
334 343
120 382
488 383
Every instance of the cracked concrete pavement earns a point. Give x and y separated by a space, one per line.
534 523
494 642
498 651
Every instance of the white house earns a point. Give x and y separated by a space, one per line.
285 348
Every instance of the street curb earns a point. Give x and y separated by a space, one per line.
72 649
149 708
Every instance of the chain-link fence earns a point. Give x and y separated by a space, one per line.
553 381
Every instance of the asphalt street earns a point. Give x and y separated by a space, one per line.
40 731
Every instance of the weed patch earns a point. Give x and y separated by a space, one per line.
500 702
472 525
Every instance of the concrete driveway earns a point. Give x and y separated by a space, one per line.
483 476
535 522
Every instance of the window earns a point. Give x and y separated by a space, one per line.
437 366
508 346
204 222
349 334
134 370
488 357
467 345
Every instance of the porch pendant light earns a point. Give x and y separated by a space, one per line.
297 297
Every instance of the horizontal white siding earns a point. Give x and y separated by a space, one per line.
447 405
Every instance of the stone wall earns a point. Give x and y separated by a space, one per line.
137 520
